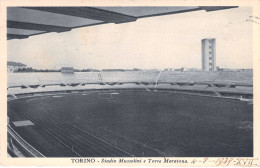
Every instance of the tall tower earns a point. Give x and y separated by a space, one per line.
208 54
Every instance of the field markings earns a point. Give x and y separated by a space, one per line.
22 123
57 96
88 93
36 98
54 95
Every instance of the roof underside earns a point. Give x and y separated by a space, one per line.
23 22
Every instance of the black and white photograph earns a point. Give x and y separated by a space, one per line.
130 82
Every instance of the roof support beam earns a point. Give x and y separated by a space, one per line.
34 26
89 13
214 8
16 36
170 13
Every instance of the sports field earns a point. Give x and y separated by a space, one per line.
139 123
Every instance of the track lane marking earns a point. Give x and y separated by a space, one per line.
52 135
82 131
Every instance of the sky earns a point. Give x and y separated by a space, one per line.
170 41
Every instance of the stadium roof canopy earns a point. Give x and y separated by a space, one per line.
23 22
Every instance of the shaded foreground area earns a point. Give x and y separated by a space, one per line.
140 123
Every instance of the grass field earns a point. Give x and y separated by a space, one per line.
173 124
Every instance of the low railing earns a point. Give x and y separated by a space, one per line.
213 89
209 84
18 147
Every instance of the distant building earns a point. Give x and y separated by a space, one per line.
168 69
208 54
14 66
90 70
67 70
193 69
112 70
136 69
181 69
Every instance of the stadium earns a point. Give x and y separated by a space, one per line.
144 113
133 119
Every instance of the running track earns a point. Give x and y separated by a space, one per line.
78 141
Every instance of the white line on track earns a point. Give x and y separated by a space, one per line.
95 137
34 99
52 135
83 131
57 96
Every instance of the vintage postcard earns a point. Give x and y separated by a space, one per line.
130 83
